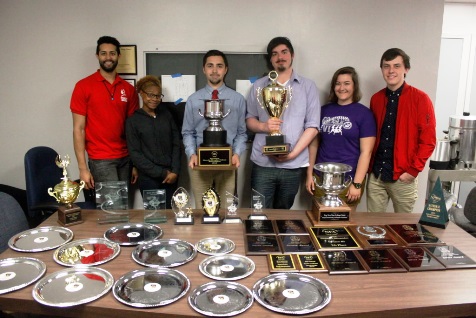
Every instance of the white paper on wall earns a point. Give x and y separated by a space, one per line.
243 87
177 88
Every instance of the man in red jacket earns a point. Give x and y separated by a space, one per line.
406 137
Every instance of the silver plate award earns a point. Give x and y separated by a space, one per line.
220 299
133 233
151 287
40 239
215 246
292 293
93 251
19 272
164 253
73 286
227 267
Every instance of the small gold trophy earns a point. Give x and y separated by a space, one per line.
66 192
180 201
275 98
211 206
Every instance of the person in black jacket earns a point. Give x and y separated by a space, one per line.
153 140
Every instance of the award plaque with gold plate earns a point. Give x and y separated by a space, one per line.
332 180
214 153
211 207
66 192
275 98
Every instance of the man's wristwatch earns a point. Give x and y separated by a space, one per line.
357 185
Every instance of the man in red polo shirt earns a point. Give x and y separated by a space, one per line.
100 105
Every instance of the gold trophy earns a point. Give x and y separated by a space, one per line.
211 206
275 98
181 207
66 192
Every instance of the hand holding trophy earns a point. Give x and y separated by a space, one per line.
275 98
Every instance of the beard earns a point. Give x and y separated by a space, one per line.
108 69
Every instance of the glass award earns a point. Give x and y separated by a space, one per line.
154 206
211 207
231 214
112 200
257 205
181 207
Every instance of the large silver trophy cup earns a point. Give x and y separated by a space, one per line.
332 180
214 151
274 98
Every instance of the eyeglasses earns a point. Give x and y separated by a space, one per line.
152 96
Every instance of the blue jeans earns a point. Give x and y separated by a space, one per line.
111 169
147 183
279 186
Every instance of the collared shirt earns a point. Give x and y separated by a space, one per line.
383 165
303 112
234 124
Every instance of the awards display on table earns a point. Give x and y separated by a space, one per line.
211 207
112 198
333 181
214 151
257 204
154 206
231 215
275 98
66 192
181 207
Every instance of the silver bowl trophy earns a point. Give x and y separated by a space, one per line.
66 192
274 98
333 181
214 151
181 207
211 207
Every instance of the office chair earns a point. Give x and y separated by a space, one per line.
42 173
466 217
13 219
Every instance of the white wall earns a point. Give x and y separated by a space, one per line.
48 45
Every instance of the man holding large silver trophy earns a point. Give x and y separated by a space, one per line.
214 116
283 109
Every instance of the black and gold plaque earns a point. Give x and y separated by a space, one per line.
451 257
415 234
214 156
259 227
296 243
310 263
329 231
290 227
343 262
380 260
281 263
261 244
334 238
417 259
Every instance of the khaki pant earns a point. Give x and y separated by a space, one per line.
403 195
201 180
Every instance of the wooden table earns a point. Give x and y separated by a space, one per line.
449 293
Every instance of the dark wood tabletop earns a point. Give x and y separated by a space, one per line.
448 293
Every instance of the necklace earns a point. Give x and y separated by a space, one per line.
110 94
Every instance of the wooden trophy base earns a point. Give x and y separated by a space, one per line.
69 216
326 215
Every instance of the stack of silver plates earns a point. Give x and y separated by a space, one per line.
215 246
151 287
164 253
221 299
227 267
40 239
93 251
133 233
19 272
292 293
73 286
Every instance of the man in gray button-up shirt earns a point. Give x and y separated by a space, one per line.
215 67
278 177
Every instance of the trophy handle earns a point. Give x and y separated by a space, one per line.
227 113
258 96
348 182
200 112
